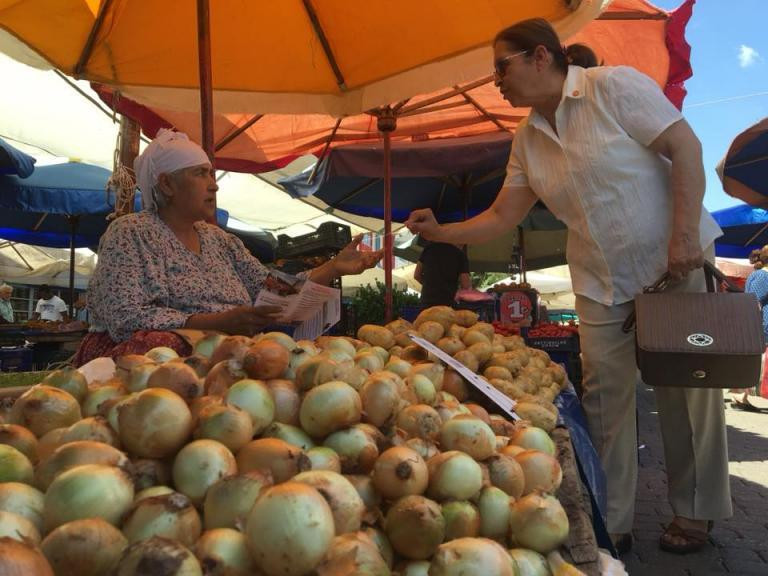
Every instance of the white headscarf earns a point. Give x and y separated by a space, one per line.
168 152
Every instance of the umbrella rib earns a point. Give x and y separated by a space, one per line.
239 130
748 242
325 149
451 94
324 43
482 110
356 191
447 106
626 15
85 55
13 247
746 162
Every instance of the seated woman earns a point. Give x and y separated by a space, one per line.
165 268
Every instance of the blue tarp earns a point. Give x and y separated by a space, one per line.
14 161
744 229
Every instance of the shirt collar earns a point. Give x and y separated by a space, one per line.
573 88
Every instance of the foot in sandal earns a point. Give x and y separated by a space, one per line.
683 535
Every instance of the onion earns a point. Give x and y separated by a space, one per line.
538 521
287 400
454 384
177 377
529 563
479 412
151 492
158 556
225 423
470 435
222 376
511 450
533 438
196 405
88 491
346 505
471 556
124 364
44 408
423 448
291 434
323 458
94 428
317 370
254 397
224 551
18 527
398 366
504 472
352 555
20 559
369 360
73 454
154 423
266 359
356 449
381 399
273 455
87 547
399 472
200 464
231 348
493 505
415 568
422 387
197 362
379 538
14 466
161 354
21 439
170 516
49 442
415 527
501 442
289 529
462 520
420 421
329 407
99 394
70 380
24 500
542 472
138 377
229 500
205 346
279 338
149 472
454 475
328 343
371 498
111 408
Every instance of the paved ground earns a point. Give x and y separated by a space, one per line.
740 544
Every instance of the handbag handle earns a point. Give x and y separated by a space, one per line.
710 274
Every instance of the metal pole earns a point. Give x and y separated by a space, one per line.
387 124
206 80
73 221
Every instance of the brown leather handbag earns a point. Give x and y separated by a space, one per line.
698 339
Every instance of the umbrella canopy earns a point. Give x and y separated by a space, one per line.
744 169
744 229
14 161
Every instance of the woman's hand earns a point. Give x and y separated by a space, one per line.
423 223
245 320
352 261
684 255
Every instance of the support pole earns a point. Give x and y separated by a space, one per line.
206 82
387 122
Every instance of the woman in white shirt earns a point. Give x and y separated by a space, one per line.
613 159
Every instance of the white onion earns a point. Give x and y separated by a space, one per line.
99 394
533 438
398 472
323 458
254 397
346 505
44 408
356 449
462 520
470 435
287 400
158 555
538 521
87 547
493 505
154 423
20 559
542 472
21 439
169 515
229 500
291 434
454 475
24 500
73 454
529 562
18 527
224 551
329 407
14 465
161 354
200 464
225 423
415 527
282 460
471 556
177 377
69 379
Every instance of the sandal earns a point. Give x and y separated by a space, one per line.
693 539
622 543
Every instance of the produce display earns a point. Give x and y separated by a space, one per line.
269 456
554 330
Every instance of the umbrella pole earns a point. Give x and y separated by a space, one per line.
72 228
206 82
386 124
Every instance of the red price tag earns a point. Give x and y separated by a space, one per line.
515 307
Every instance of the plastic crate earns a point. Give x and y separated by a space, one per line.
485 309
565 344
329 237
17 359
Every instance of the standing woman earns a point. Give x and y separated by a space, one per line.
757 284
613 159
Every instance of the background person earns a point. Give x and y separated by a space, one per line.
442 269
50 307
757 284
166 268
613 159
6 309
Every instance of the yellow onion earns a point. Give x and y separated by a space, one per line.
317 370
198 363
454 384
454 475
231 348
533 438
329 407
424 448
14 465
152 491
154 423
94 428
415 527
278 337
222 376
197 405
168 515
289 529
138 377
177 377
254 397
379 538
501 442
511 450
329 343
470 435
415 568
398 472
529 562
110 409
420 421
49 442
273 455
541 471
69 379
462 520
266 359
304 350
287 400
21 559
124 364
205 346
369 360
501 426
422 387
351 555
158 555
537 521
371 498
398 366
471 556
346 505
224 552
18 527
100 393
88 491
504 472
381 398
24 500
21 439
291 434
493 506
73 454
87 547
432 370
200 464
229 500
148 472
225 423
356 449
44 408
161 354
323 458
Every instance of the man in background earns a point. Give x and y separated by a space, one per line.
442 269
6 310
50 307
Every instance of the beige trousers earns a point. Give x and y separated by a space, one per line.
692 420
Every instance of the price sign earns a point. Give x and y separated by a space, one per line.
516 307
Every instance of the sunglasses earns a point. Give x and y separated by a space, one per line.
500 65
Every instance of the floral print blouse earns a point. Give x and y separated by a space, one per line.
146 279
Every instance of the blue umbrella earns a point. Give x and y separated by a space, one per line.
744 229
14 161
744 169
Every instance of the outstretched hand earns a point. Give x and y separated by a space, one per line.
423 223
353 261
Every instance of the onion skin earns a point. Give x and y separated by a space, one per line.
231 347
346 505
72 454
400 471
282 460
14 466
420 421
177 377
471 556
505 473
24 500
199 465
68 379
223 375
352 555
18 527
19 559
21 439
44 408
170 516
415 527
329 407
266 359
538 521
87 547
224 552
154 423
228 502
148 472
158 555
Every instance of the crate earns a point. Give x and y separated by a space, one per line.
16 359
565 344
329 237
485 309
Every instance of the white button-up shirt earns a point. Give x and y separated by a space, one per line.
599 177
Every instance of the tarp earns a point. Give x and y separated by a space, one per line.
14 161
744 229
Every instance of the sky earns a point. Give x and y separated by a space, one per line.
729 88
